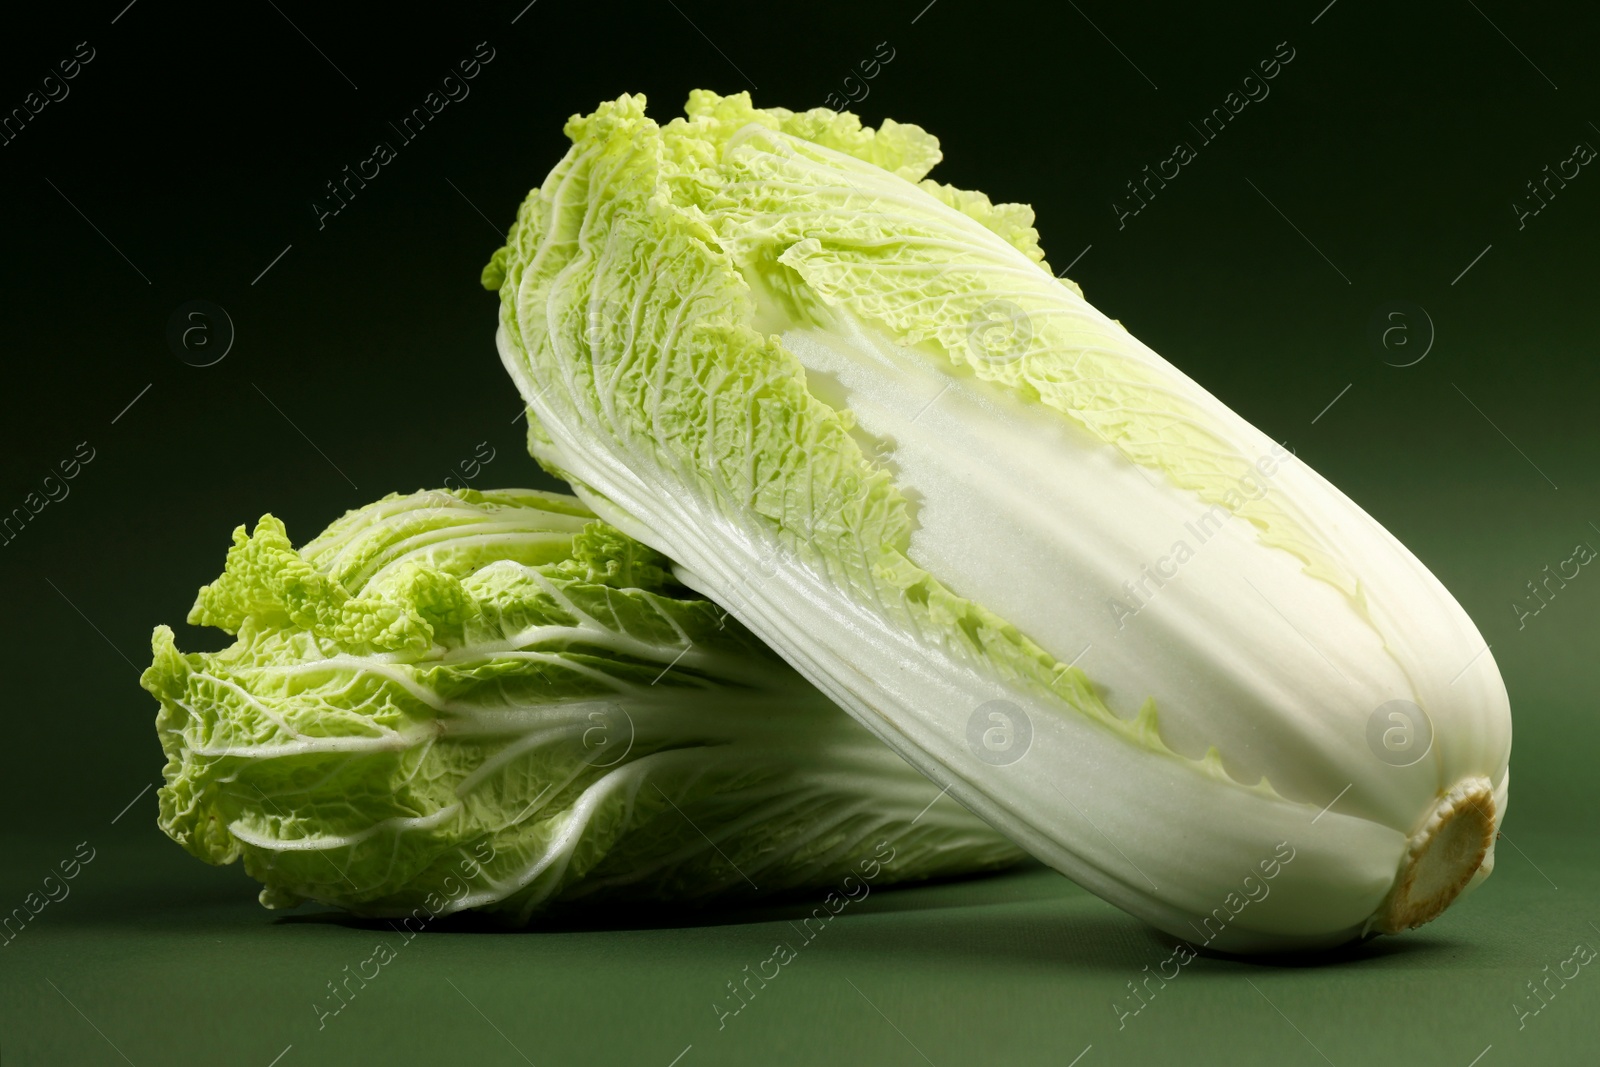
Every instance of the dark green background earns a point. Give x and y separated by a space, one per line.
195 142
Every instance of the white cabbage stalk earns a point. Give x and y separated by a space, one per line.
1054 573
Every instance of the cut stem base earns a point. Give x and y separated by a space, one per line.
1442 857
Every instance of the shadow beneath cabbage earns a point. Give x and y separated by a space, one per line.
1026 881
1028 916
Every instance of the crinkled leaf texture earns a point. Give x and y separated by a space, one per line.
856 408
455 700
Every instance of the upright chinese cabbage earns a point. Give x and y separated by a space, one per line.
858 409
457 700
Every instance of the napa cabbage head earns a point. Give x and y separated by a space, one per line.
463 700
857 408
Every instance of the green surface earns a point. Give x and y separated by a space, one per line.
1021 968
186 159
